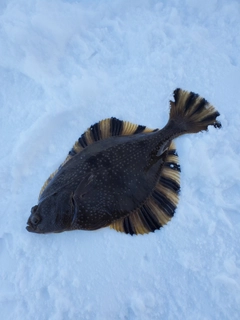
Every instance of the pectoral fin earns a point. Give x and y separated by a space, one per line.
84 187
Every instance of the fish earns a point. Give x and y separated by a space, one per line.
121 175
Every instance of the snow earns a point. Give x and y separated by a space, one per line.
65 65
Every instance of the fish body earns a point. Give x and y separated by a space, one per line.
121 175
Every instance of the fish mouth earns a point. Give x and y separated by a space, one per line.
34 230
30 228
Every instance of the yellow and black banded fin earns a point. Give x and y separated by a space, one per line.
192 112
104 129
99 131
159 208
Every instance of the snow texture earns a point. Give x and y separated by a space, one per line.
65 65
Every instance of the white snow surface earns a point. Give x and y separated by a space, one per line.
65 65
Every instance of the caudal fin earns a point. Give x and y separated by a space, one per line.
192 113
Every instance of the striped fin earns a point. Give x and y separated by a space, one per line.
159 208
105 129
193 112
99 131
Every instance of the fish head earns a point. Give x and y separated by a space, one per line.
53 214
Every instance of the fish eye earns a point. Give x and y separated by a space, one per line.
34 209
35 219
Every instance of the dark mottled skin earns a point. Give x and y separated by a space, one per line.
106 181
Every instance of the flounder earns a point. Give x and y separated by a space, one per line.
121 175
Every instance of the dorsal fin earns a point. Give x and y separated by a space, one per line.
99 131
159 208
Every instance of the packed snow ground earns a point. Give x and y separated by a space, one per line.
65 65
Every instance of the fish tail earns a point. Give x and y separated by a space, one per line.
192 113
